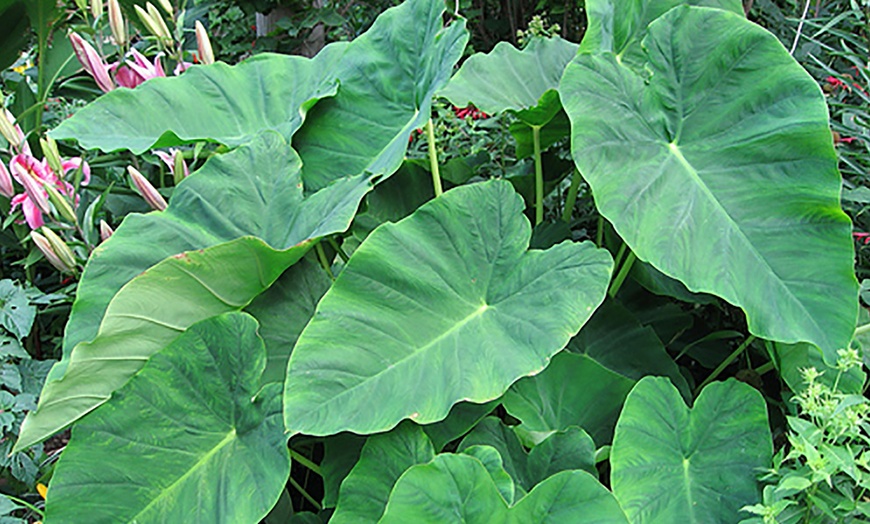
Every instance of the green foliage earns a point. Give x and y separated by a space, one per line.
313 296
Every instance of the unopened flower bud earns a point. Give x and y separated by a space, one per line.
45 246
159 23
116 23
148 192
7 128
63 252
59 202
167 6
203 44
92 62
105 230
49 149
179 169
6 188
96 8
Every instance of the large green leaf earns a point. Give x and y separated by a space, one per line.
462 418
189 439
146 315
254 190
388 77
444 306
570 449
574 390
284 309
459 489
226 104
507 79
731 186
615 338
618 26
363 494
670 464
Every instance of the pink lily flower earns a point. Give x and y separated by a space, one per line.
27 170
6 188
132 73
170 158
92 62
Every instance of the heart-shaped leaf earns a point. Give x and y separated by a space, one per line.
574 390
462 418
507 79
706 460
618 26
388 77
226 104
484 310
363 494
189 439
732 184
459 489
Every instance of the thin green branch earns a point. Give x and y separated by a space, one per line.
27 505
725 363
321 256
305 494
298 457
539 176
433 159
623 273
338 249
571 198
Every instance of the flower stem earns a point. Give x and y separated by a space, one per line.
860 330
764 368
338 249
623 272
305 494
27 505
599 233
725 363
433 159
321 256
571 198
298 457
539 176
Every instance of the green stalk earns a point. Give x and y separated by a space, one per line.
27 505
305 462
433 159
321 256
725 363
623 272
860 330
764 368
338 249
305 494
539 176
571 199
599 234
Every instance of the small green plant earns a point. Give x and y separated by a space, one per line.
823 474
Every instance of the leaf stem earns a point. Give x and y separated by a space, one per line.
539 176
571 198
338 249
725 363
305 494
298 457
321 256
623 272
27 505
860 330
764 368
433 158
599 233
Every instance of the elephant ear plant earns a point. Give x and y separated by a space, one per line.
445 371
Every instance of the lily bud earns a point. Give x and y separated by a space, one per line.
92 62
105 230
6 188
148 192
96 8
159 23
179 170
45 246
7 128
167 6
116 22
203 44
63 252
60 203
49 149
31 187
